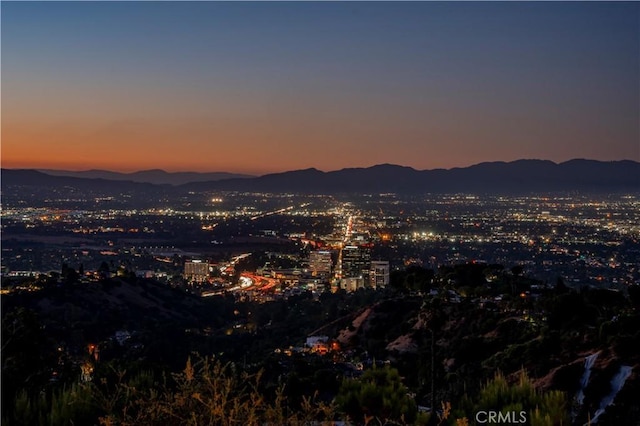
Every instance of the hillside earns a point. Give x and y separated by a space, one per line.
550 334
444 330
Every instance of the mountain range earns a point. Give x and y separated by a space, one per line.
521 176
155 176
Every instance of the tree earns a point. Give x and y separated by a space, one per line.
634 295
540 408
69 275
517 270
104 270
378 394
561 287
26 355
414 278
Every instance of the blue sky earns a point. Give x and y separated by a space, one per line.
259 86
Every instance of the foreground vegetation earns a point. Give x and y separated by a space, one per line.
456 347
208 392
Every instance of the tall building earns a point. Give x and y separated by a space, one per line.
320 263
355 262
196 271
379 274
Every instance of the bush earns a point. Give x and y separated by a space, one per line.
211 393
542 408
378 394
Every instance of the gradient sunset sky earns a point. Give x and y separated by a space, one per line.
266 87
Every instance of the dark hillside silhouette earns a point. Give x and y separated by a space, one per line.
516 177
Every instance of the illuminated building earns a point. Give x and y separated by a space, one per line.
320 263
196 271
379 274
352 283
355 262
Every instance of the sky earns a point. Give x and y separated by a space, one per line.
261 87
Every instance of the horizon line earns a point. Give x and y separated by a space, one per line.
249 174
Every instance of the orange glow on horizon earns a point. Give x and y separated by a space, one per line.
269 88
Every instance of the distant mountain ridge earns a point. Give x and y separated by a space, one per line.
521 176
29 177
155 176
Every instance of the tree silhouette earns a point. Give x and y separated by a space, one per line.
378 394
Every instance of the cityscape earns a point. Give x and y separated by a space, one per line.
314 269
320 213
585 240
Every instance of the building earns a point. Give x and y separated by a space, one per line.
352 283
196 271
318 344
379 274
288 277
355 262
320 263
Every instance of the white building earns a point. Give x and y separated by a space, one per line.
379 274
